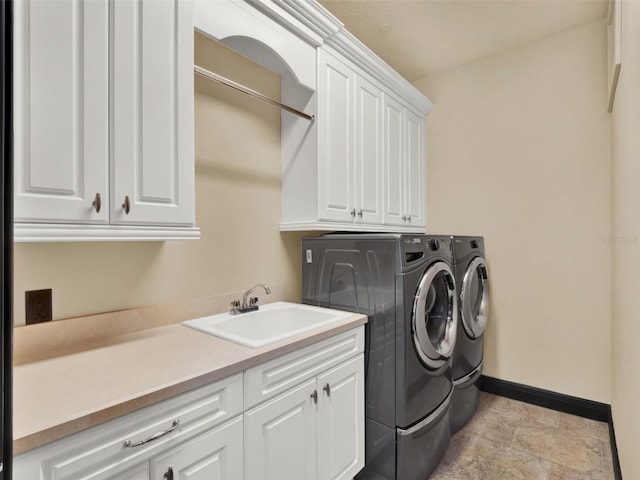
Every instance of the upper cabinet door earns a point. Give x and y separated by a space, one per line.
394 150
61 111
335 139
415 170
152 113
368 152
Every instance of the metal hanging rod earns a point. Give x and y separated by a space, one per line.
241 88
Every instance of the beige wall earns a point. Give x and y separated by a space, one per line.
625 142
518 151
237 208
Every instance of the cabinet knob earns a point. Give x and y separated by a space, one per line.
97 203
404 218
409 218
126 205
168 475
314 395
353 213
327 388
360 213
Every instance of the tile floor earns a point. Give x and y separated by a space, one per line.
509 440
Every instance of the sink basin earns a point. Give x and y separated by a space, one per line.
271 323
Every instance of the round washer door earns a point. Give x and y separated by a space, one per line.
474 298
435 315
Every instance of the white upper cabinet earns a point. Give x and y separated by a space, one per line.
152 113
414 160
61 142
368 152
336 103
338 185
104 120
404 165
350 144
394 151
360 166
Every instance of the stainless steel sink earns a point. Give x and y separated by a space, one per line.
271 323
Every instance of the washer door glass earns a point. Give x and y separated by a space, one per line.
474 298
435 315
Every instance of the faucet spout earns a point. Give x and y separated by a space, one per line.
248 292
252 305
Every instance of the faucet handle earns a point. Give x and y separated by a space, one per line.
253 301
235 304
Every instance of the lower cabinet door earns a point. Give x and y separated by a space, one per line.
341 421
214 455
280 436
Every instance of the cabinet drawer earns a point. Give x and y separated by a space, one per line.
102 452
272 378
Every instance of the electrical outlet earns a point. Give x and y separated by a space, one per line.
37 306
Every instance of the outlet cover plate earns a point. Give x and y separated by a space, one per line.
38 306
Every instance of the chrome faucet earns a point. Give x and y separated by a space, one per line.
252 305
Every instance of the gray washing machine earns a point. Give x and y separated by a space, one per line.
405 285
472 285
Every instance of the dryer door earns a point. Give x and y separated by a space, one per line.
435 315
474 298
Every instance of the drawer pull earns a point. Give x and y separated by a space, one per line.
155 436
314 395
168 475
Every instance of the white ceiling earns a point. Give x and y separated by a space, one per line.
421 37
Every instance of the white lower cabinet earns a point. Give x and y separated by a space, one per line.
299 416
280 437
341 421
215 455
315 430
123 448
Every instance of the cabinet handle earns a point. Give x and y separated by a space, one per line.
353 213
314 395
155 436
409 218
97 203
360 213
404 218
168 474
327 388
126 205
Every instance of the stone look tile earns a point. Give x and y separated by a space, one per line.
527 413
559 472
482 459
492 425
585 427
560 446
507 439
